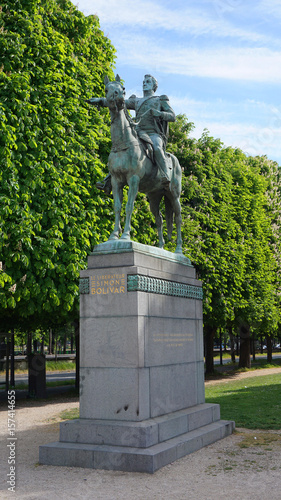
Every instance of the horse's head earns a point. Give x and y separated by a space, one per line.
114 93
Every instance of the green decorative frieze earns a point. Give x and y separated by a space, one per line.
84 285
139 283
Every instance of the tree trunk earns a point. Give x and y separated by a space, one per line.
225 343
221 363
12 379
35 345
64 343
56 346
254 349
245 347
71 344
209 342
232 344
237 346
7 363
42 345
50 340
77 343
269 348
29 343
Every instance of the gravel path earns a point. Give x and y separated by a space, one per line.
244 466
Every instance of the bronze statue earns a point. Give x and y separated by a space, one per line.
138 158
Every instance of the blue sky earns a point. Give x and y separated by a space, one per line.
219 61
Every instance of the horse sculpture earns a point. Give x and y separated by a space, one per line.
129 165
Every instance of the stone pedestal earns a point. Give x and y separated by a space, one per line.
142 401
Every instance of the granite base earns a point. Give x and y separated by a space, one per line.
136 446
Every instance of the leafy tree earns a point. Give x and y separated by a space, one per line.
209 230
259 311
227 230
52 151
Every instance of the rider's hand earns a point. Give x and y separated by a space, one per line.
155 112
94 100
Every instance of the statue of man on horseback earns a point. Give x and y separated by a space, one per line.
153 114
138 157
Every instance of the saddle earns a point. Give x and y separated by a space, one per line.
146 143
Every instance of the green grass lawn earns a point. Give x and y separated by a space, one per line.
254 403
54 366
227 355
51 366
55 383
255 365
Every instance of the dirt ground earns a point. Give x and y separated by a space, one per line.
244 466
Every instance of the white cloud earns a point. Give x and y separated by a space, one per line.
152 15
251 139
230 122
250 64
270 8
267 115
196 39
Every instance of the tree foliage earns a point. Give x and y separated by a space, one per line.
52 151
230 229
54 148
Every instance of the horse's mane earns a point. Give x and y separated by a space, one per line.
127 114
130 120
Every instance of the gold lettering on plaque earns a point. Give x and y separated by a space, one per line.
107 284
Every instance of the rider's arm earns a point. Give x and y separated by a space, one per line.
167 112
97 101
131 102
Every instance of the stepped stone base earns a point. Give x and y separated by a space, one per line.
136 446
142 398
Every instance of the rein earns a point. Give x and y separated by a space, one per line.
123 145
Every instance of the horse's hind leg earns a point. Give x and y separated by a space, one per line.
117 191
154 201
175 200
178 221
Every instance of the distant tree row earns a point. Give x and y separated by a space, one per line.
231 213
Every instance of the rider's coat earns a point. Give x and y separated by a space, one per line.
146 121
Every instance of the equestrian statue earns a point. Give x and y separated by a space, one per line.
138 156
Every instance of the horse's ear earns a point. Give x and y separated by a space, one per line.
106 80
118 79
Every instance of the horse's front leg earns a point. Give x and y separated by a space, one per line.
117 191
133 191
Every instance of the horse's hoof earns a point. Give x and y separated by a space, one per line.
179 251
113 236
125 236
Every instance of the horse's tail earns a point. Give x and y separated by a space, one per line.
169 216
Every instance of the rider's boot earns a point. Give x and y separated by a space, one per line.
163 169
105 185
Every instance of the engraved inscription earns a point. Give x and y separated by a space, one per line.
173 339
104 284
